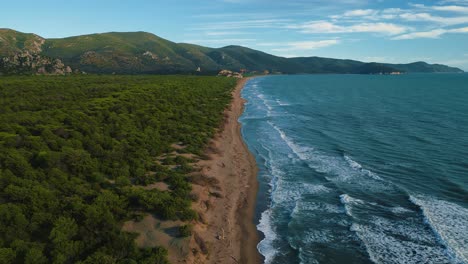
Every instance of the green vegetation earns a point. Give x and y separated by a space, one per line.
141 52
185 230
12 41
76 151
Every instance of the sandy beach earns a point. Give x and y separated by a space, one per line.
227 192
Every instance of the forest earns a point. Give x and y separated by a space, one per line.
76 152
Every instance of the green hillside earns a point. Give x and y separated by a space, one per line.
141 52
132 52
424 67
12 42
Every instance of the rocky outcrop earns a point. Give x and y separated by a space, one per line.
151 55
27 62
21 54
228 73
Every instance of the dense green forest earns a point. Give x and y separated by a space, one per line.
76 151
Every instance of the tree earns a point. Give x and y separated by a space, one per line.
35 256
64 247
13 223
7 255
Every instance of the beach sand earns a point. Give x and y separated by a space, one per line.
227 189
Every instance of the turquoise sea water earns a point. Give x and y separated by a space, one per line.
360 168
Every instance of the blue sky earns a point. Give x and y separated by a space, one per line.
392 31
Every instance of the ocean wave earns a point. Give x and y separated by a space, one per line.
306 258
337 168
269 106
305 208
359 167
353 163
389 248
301 152
449 222
290 192
266 247
400 210
348 202
388 241
281 103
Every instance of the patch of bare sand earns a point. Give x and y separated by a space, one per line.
153 232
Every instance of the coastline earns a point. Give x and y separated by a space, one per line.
226 191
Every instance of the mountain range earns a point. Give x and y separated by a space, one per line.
146 53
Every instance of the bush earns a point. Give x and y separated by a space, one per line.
185 230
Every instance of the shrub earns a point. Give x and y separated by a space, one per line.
185 230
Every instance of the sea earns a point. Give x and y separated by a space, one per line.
360 168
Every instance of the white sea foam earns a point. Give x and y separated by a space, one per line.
387 241
355 165
411 228
307 208
336 168
449 222
348 202
266 247
281 103
306 258
387 248
346 199
288 191
400 210
301 152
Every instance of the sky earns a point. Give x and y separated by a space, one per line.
392 31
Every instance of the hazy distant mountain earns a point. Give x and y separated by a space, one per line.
141 52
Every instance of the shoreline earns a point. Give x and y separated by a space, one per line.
226 232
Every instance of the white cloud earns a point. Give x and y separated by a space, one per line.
456 63
226 33
427 34
437 19
308 45
328 27
302 45
392 10
419 13
417 21
458 30
221 42
461 9
242 24
458 2
319 27
359 12
436 33
445 8
384 28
